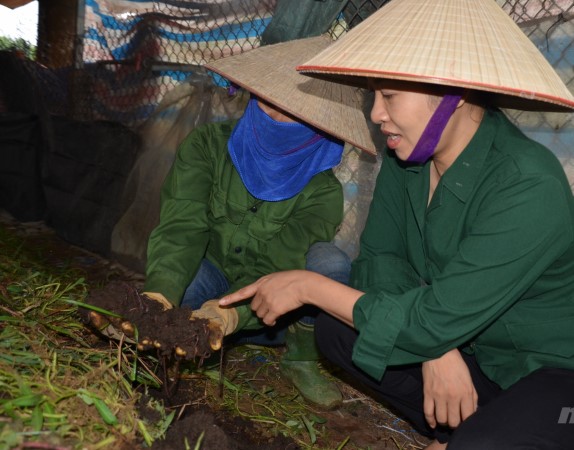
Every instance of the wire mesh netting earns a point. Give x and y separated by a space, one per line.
140 63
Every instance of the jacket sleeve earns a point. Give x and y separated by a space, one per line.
382 264
502 255
177 245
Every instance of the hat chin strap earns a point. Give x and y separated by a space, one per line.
431 135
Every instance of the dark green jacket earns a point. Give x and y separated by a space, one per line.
487 267
207 212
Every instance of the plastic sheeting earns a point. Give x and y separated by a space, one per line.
195 102
135 51
172 30
21 192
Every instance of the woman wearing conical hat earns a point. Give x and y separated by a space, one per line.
460 310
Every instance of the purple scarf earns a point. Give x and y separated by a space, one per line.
433 131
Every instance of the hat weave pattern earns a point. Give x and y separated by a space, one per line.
269 73
465 43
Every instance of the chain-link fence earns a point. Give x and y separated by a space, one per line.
135 62
124 56
550 25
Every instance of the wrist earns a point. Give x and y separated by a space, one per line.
331 296
311 287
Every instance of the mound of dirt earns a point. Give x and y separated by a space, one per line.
171 332
215 431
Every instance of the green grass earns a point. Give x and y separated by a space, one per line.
57 387
250 387
62 388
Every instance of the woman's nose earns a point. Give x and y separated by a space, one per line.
378 111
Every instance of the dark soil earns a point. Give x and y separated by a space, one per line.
203 412
170 330
214 429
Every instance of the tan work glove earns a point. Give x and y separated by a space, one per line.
222 321
118 328
165 303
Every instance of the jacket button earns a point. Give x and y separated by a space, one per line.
238 249
254 209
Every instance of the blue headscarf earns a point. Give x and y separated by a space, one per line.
276 160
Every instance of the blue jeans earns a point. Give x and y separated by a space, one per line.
209 283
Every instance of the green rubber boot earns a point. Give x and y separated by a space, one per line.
299 365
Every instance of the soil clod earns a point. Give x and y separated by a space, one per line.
171 333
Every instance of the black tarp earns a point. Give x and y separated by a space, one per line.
21 192
68 173
84 174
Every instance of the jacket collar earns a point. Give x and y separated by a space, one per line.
461 177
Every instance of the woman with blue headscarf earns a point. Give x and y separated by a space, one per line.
244 199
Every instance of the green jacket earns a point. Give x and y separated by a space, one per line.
487 267
206 212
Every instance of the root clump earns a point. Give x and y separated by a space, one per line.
171 332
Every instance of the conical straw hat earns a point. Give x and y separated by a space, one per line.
269 73
467 43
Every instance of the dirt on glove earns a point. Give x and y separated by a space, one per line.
172 328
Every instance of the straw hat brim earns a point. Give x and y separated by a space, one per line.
269 73
471 44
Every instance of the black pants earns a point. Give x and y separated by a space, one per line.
535 413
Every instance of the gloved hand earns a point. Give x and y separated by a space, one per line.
190 338
118 328
165 303
222 321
